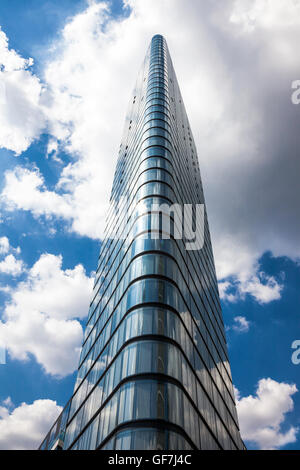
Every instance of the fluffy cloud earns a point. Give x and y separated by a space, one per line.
11 265
24 427
235 65
261 417
41 317
263 292
261 287
32 194
241 324
21 115
265 14
4 245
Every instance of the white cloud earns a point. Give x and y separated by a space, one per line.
32 195
226 291
52 150
21 115
263 292
10 265
231 75
24 427
254 14
4 245
236 393
260 286
52 146
241 324
262 416
41 315
8 402
10 59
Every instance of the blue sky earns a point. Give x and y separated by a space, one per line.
61 128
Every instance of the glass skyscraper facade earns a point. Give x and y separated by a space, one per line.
154 370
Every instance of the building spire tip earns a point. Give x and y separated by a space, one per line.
157 36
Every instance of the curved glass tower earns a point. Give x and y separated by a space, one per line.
154 370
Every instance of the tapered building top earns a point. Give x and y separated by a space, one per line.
154 371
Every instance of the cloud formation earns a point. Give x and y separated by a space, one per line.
241 324
41 317
24 427
9 265
4 245
262 416
21 115
260 286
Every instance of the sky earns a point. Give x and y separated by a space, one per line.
67 69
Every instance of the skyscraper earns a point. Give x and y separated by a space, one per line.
153 371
